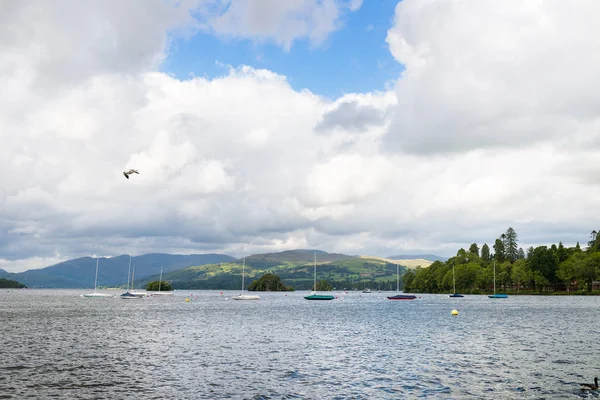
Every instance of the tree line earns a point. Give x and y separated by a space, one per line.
541 269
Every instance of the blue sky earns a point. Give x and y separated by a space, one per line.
354 58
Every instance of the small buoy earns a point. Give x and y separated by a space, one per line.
187 300
454 312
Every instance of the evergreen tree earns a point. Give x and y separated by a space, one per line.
521 255
529 251
594 243
511 251
561 252
499 250
485 252
474 249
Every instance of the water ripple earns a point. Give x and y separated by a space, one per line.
58 345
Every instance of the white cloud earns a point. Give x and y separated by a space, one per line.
280 21
493 124
493 74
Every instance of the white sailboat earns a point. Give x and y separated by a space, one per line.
95 293
160 292
314 295
400 296
130 294
497 295
243 296
454 294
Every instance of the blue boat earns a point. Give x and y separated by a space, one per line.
455 295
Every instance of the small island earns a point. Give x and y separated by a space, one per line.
10 284
269 283
159 286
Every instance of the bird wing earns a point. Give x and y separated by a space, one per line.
126 175
589 385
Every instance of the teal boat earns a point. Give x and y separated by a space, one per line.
497 295
313 295
454 294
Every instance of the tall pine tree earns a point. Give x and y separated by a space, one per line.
511 248
485 252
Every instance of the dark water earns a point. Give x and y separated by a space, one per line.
54 344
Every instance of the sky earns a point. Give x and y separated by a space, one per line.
359 127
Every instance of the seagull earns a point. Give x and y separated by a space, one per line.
590 386
131 171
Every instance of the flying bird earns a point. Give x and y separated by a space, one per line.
131 171
590 386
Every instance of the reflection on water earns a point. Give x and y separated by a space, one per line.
359 346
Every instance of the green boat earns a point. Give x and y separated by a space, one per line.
313 295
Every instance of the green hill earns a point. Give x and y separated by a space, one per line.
295 268
7 283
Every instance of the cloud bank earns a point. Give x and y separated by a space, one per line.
493 123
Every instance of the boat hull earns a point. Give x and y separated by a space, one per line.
128 296
402 297
498 296
246 297
319 297
456 295
97 295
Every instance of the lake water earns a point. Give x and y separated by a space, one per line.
55 344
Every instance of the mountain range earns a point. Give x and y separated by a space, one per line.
220 271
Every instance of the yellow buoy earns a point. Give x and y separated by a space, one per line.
454 312
187 300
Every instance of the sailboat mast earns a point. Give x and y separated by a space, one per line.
494 277
315 284
132 275
96 280
243 272
160 280
397 277
129 272
453 280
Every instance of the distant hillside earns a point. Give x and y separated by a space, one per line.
429 257
80 272
409 263
3 273
294 256
295 268
7 283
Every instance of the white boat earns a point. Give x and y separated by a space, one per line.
243 296
159 292
130 294
95 293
